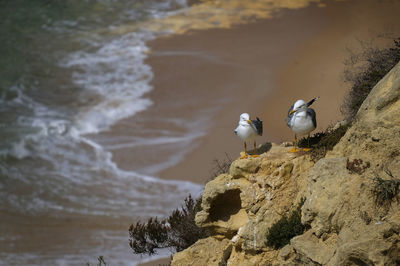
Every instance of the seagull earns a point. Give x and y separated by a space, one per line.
302 120
248 130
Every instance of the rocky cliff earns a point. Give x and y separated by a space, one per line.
350 216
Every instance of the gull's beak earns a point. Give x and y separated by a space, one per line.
249 121
292 112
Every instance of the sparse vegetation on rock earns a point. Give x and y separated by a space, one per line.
286 228
385 190
375 64
323 142
221 166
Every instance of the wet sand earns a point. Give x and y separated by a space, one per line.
262 68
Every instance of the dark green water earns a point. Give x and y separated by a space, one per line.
65 74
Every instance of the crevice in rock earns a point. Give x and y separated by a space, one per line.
355 260
227 253
225 205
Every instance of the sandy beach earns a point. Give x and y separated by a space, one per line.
262 68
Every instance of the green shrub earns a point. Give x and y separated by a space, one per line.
178 231
376 63
285 229
385 190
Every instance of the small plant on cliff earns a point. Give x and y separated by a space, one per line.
376 63
100 260
178 231
385 190
286 228
221 166
322 142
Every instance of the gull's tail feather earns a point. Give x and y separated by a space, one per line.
312 101
258 125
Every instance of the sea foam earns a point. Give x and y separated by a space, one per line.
118 77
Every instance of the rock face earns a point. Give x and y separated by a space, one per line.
241 206
208 251
345 224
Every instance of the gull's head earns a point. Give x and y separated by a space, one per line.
245 117
298 105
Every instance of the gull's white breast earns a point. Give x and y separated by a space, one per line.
245 131
301 124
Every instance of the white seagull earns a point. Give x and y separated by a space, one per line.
302 120
248 130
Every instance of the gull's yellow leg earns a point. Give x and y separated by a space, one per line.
245 151
255 150
295 149
308 141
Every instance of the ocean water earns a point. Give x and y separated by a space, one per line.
67 76
70 73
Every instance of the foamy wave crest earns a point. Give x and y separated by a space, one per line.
117 77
